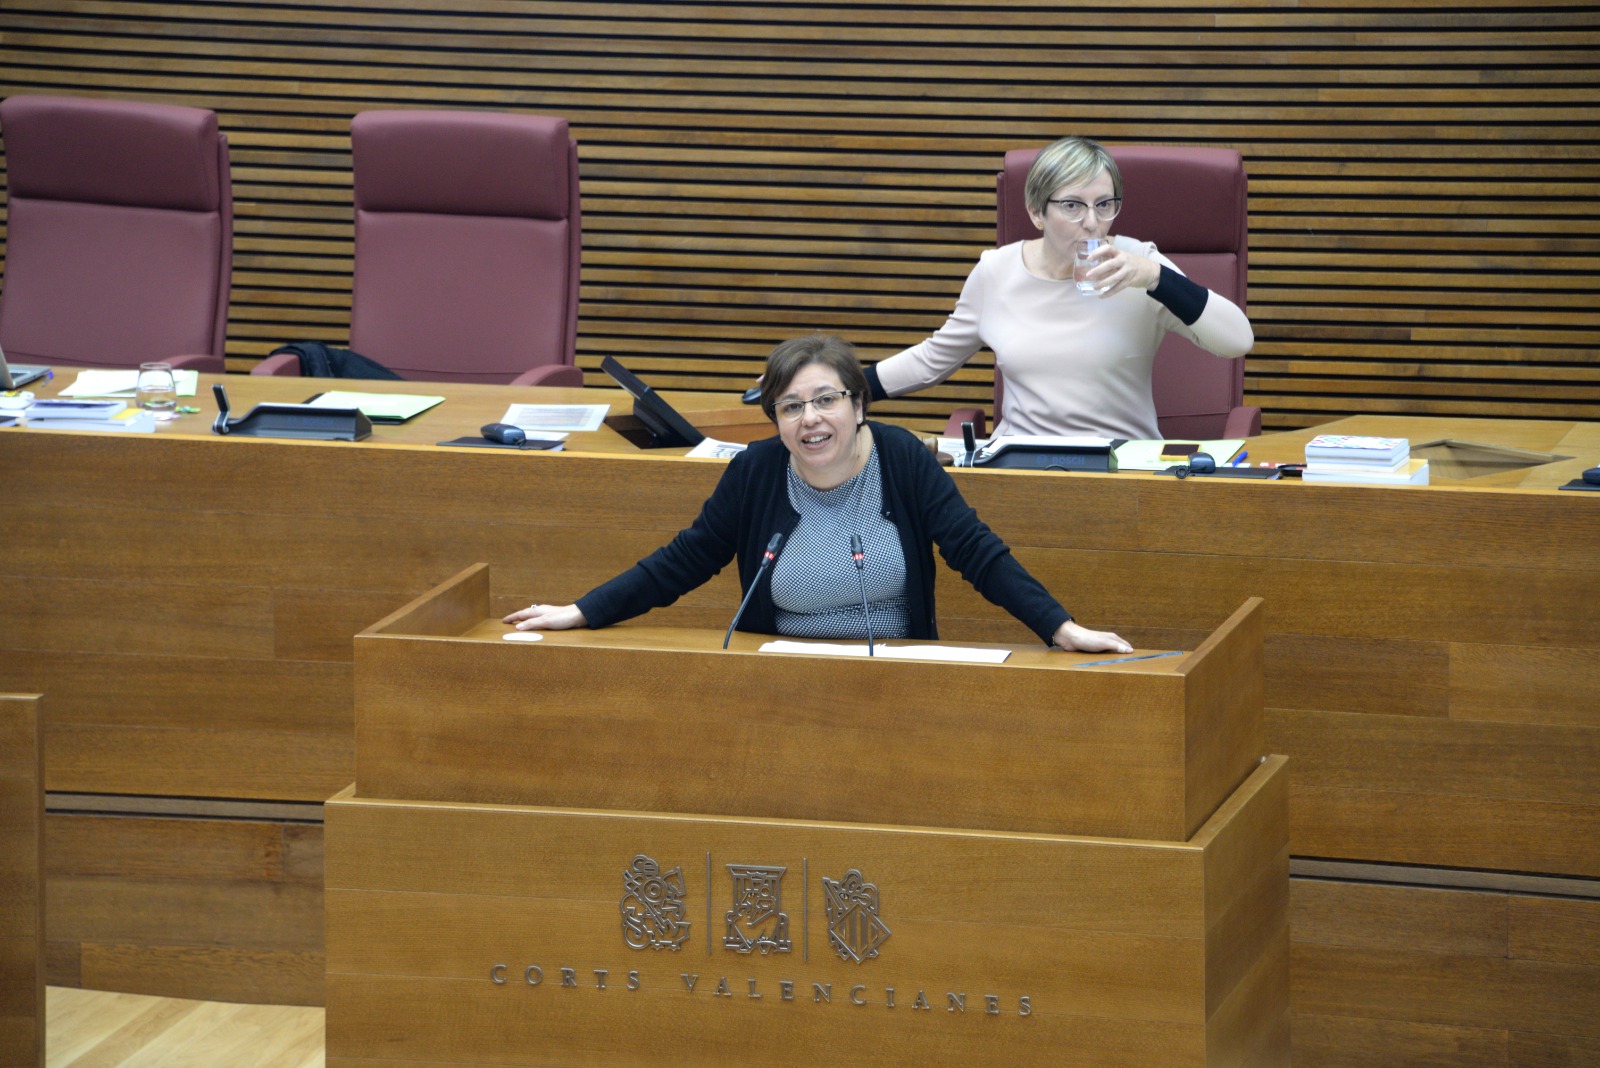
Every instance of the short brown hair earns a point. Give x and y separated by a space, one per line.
790 357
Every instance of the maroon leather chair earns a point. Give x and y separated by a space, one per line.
119 243
1192 203
467 234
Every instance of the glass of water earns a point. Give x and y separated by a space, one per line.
158 390
1082 265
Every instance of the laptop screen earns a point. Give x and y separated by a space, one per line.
20 375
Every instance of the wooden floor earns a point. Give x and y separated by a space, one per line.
95 1029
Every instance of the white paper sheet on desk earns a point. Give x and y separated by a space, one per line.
583 418
125 383
712 449
954 653
956 447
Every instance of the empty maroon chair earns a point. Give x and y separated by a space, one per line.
1192 203
467 234
119 244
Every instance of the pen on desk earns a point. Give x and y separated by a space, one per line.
1241 458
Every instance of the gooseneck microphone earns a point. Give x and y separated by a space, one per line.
766 561
860 557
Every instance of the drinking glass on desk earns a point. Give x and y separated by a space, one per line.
158 390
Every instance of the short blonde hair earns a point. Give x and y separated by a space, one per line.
1070 161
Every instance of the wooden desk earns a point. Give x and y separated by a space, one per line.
188 604
21 884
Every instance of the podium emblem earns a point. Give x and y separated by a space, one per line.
854 928
652 906
756 920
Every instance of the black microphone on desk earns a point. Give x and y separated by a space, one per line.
766 561
860 557
221 425
969 445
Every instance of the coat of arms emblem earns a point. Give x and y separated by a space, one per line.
854 929
756 920
652 906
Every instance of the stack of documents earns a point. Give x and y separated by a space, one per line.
1352 458
57 414
377 407
113 383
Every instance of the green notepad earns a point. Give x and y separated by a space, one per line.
379 407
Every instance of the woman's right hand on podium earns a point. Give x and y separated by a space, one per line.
547 617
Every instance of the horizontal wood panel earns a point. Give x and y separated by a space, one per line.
157 912
126 689
1127 774
1449 990
1408 754
22 877
215 973
1119 880
193 908
783 167
1395 602
178 849
1353 1042
1380 971
198 762
1374 916
1551 1051
72 614
1525 685
461 938
448 1022
426 936
1554 929
1441 829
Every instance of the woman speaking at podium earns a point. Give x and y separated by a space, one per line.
833 512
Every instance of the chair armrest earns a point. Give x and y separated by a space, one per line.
286 364
205 364
555 374
975 416
1243 422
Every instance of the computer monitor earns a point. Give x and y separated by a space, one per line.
668 429
20 375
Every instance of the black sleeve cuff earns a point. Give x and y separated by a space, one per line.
874 387
1184 298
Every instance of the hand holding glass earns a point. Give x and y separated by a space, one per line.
158 390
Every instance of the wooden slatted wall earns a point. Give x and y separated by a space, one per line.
1425 177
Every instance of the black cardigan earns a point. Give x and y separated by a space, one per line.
751 503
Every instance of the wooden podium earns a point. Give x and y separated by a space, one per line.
631 847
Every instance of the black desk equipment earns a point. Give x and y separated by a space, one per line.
291 421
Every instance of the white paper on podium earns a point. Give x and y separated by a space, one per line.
954 653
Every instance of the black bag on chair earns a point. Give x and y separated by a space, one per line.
324 361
